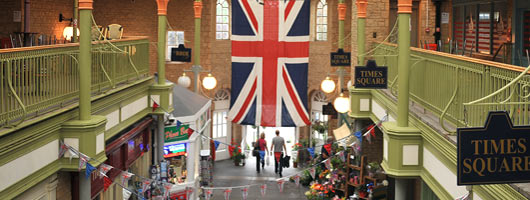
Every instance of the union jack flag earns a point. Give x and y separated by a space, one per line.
270 50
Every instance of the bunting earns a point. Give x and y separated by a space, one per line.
167 189
342 156
216 143
328 163
311 151
145 184
82 161
62 149
125 176
227 193
208 194
155 106
297 180
263 189
106 183
103 169
280 183
189 192
244 192
312 172
89 170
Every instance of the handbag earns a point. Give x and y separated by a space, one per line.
255 152
285 161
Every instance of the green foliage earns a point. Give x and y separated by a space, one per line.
320 127
238 157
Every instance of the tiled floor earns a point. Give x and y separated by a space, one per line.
227 175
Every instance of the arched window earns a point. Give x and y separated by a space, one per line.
322 20
222 20
318 99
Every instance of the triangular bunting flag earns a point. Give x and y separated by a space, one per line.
342 157
263 189
106 183
89 170
359 136
327 162
216 143
244 192
72 153
227 193
103 169
190 131
155 106
280 183
145 183
312 172
62 149
189 192
311 151
328 148
82 161
125 176
297 180
208 194
167 189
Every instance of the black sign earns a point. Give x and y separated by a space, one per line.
181 54
328 109
497 153
340 58
371 76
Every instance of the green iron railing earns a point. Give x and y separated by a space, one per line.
36 80
445 84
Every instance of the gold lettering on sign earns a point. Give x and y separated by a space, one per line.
494 158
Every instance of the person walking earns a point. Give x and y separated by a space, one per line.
261 144
276 147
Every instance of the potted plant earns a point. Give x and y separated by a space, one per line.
320 127
237 158
372 168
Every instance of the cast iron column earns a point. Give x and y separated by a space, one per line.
75 21
164 96
85 65
404 12
361 21
196 68
341 8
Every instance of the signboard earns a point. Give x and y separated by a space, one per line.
371 76
340 58
328 109
497 153
445 18
181 54
174 133
174 150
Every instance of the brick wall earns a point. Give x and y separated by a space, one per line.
6 17
64 186
44 17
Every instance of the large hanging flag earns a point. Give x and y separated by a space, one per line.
270 50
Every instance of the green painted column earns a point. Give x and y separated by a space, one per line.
341 8
162 31
85 64
360 40
75 20
404 12
196 68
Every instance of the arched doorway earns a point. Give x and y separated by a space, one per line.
318 99
221 128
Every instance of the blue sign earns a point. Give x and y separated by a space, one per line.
371 76
497 153
174 150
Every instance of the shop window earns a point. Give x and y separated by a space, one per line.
219 124
322 20
470 33
500 28
174 39
222 20
484 29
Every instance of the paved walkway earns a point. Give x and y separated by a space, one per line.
227 175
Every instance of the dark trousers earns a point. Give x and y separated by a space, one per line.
258 160
278 164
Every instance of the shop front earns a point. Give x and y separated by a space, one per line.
128 151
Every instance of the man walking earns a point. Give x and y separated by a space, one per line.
276 147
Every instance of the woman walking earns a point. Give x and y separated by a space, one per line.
262 147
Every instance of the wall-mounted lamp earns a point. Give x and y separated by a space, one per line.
62 18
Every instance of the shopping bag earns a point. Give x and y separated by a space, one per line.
267 160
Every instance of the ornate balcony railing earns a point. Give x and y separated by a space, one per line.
447 85
35 80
